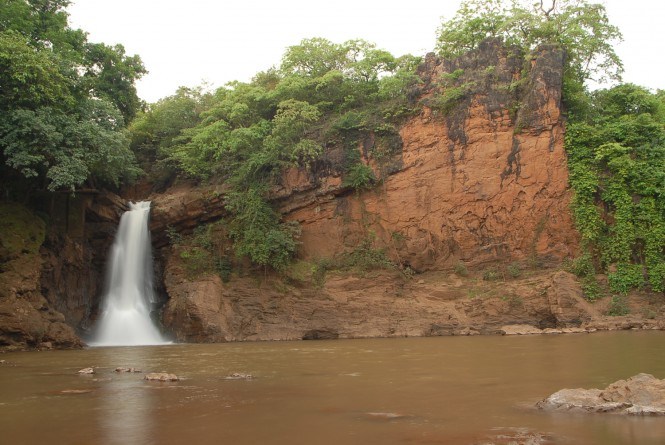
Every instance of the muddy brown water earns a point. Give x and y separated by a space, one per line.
447 390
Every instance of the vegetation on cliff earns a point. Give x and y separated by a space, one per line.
323 94
69 115
617 169
64 102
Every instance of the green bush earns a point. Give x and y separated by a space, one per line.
360 177
618 306
461 269
491 275
224 268
514 270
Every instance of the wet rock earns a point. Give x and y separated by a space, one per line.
642 394
516 436
520 329
127 370
161 377
75 391
239 376
86 371
466 332
386 416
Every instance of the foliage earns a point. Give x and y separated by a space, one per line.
64 101
21 232
247 134
450 97
257 231
581 28
203 251
618 306
359 176
617 172
514 270
491 275
461 269
365 257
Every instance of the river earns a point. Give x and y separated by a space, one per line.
445 390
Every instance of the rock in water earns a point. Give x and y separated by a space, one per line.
642 394
86 371
239 376
161 377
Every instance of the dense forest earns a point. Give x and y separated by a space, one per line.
71 119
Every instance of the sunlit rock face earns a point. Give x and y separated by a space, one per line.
485 180
479 180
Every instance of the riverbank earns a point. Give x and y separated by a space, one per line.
386 303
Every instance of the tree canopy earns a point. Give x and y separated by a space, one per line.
580 27
247 133
64 101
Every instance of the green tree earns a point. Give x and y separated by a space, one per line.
60 126
110 74
249 133
580 27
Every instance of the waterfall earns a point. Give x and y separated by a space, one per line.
125 319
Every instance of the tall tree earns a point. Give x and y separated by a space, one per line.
580 27
64 101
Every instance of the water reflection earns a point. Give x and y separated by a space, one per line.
125 409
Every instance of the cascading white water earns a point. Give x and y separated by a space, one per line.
125 319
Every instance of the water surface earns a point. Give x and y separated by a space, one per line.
447 390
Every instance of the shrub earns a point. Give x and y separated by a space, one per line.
491 275
618 306
360 176
514 270
461 269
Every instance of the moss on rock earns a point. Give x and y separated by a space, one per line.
21 231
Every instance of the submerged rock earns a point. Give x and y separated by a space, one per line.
161 377
86 371
516 436
127 370
642 394
386 416
239 376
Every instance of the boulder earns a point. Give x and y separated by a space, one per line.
161 377
642 394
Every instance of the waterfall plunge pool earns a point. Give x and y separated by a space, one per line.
445 390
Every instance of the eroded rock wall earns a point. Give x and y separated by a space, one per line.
481 179
485 181
27 319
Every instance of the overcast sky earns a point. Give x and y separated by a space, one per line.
186 43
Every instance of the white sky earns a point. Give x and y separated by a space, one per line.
186 43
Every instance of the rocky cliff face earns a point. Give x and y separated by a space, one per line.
479 178
476 180
26 317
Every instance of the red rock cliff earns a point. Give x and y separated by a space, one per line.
478 179
487 181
